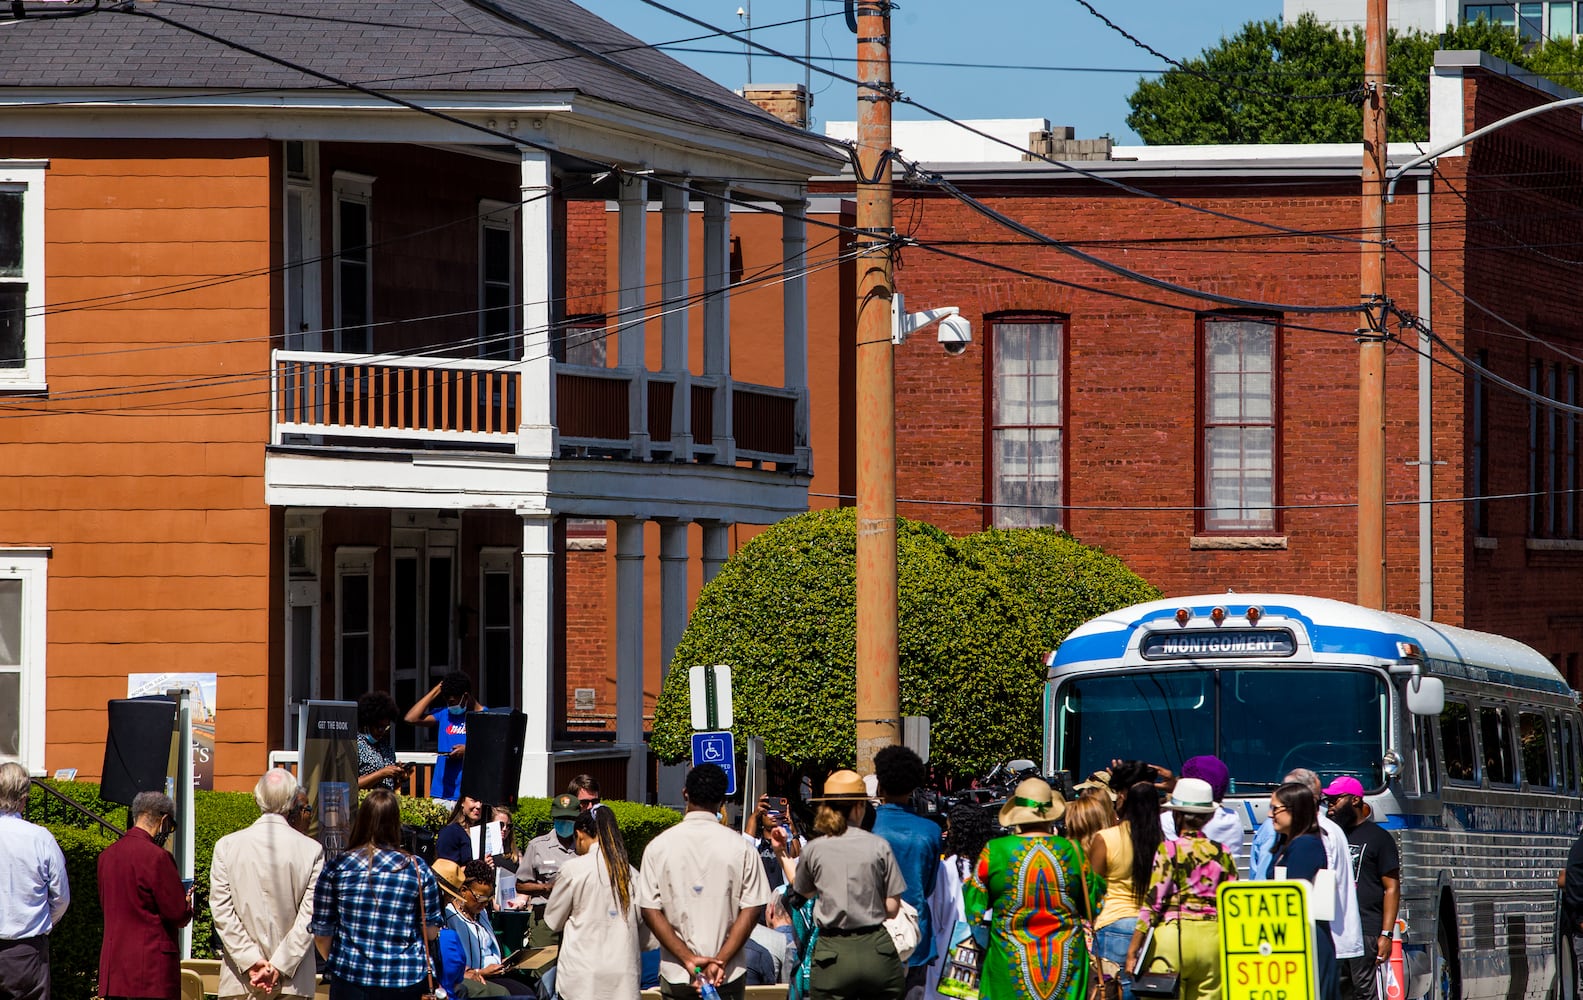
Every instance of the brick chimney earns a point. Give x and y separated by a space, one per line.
786 101
1061 144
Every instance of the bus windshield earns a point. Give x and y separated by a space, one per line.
1262 721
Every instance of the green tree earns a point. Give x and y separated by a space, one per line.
976 616
1302 82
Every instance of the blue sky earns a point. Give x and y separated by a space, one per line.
1011 32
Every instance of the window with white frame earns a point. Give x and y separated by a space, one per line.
23 573
21 275
1239 403
496 634
1027 421
354 264
354 605
1534 22
301 245
497 284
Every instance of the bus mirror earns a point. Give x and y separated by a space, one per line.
1426 695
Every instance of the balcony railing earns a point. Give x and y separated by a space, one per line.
418 402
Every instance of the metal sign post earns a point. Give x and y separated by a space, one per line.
186 816
710 688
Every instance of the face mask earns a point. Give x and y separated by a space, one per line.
163 835
456 711
563 828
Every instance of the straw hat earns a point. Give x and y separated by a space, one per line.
1098 781
1192 795
448 876
1034 801
843 786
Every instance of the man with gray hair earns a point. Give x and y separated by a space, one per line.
261 883
33 892
144 904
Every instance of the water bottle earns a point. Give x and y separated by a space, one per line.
706 990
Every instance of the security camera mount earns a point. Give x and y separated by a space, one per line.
904 324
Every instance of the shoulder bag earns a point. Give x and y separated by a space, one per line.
904 930
1099 987
430 993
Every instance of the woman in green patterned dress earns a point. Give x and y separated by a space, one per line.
1030 890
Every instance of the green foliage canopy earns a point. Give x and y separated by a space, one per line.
1302 82
976 616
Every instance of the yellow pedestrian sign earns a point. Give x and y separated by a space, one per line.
1266 941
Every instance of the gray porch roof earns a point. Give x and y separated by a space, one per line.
454 46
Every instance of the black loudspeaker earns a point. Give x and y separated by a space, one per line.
137 748
492 762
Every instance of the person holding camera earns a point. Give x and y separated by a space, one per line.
761 829
376 758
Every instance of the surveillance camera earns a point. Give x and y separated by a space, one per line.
955 334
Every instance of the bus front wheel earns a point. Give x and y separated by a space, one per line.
1446 980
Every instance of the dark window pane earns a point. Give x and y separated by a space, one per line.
13 325
1456 742
10 714
440 604
10 623
1495 735
497 255
497 600
354 230
407 620
354 602
1272 721
1535 743
354 666
10 234
497 667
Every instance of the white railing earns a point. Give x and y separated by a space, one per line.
417 783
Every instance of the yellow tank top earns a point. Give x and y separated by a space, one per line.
1121 900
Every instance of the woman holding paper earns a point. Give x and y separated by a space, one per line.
1300 854
457 838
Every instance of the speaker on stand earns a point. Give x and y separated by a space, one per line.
138 748
492 760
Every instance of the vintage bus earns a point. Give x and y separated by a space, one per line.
1467 743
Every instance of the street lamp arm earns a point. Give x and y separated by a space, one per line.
1396 175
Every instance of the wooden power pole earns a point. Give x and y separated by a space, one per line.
878 683
1371 329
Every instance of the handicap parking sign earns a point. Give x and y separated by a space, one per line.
720 749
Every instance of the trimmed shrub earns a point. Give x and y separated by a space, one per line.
976 616
639 823
74 943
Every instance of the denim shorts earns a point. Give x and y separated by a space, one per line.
1111 941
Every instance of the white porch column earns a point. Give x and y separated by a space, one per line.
717 315
673 273
673 588
717 547
629 653
794 247
632 300
538 652
536 384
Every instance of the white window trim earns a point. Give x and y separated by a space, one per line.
353 560
347 186
493 560
29 176
312 266
498 215
31 566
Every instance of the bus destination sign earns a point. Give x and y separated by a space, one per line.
1221 642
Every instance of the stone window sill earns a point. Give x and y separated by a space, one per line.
1237 543
1555 544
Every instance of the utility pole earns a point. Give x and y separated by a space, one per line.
878 683
1371 329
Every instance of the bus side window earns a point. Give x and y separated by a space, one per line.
1456 743
1570 746
1533 737
1496 739
1428 774
1561 736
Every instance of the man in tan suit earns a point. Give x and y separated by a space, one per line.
261 883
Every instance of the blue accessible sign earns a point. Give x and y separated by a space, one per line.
717 748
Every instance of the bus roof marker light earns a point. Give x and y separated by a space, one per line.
1183 616
1410 651
1254 614
1218 615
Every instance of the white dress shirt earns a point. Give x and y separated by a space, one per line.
34 893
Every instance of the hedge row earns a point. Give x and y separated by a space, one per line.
74 945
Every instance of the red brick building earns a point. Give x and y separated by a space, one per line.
1214 447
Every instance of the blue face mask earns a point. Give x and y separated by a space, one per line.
563 828
456 711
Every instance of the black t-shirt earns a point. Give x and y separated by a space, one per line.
772 865
1373 854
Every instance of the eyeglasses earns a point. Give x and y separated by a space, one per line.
588 803
482 897
1277 810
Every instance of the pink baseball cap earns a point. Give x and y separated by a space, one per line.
1345 785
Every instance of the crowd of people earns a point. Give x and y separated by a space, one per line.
1044 897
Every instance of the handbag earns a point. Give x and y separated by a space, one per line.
1099 987
1157 984
904 930
429 993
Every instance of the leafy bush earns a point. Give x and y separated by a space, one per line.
74 944
976 616
639 823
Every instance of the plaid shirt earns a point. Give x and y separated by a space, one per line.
368 907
